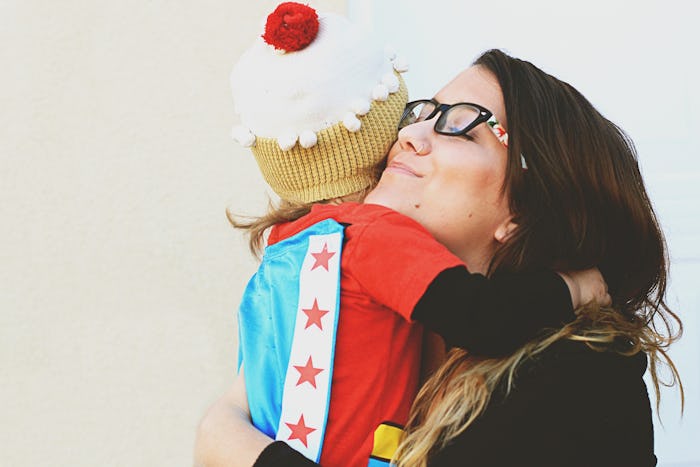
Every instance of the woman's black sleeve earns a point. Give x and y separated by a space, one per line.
279 454
493 316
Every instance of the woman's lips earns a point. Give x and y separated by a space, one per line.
401 168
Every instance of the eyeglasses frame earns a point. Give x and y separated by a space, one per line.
485 115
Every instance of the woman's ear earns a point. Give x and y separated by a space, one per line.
505 230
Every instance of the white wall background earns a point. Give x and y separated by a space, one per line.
119 274
638 62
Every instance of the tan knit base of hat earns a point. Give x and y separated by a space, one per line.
341 163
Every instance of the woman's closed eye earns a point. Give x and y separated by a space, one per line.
455 129
469 136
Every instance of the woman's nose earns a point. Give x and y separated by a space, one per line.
416 138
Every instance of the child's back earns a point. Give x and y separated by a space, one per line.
376 352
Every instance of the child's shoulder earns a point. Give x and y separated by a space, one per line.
357 215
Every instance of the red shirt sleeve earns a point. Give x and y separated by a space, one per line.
394 259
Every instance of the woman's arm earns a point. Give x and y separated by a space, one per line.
226 436
494 316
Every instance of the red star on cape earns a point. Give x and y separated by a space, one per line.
315 314
307 373
322 257
299 431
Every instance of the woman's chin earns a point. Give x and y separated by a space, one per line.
390 197
386 193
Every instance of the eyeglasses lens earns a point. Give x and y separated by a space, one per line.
416 112
457 118
452 120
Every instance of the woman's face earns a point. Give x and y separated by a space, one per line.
450 184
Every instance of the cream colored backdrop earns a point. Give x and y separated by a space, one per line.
119 274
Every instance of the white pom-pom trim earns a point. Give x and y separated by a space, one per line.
360 106
380 93
287 141
400 64
243 136
351 122
308 139
391 82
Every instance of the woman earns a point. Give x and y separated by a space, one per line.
575 397
566 194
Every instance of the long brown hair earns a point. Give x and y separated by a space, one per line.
581 203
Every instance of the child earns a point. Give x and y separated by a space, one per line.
329 347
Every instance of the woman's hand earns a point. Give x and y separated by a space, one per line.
586 286
226 437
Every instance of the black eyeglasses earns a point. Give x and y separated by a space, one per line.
454 120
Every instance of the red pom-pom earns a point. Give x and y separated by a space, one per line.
292 26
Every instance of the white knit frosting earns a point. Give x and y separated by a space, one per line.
286 95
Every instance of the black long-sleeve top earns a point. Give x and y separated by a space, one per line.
570 406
